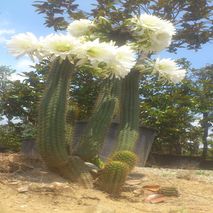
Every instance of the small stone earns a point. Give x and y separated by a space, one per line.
155 198
138 192
91 166
90 197
23 189
58 185
14 183
169 191
133 182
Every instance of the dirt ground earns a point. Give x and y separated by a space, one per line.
26 186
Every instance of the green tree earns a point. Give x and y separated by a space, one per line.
10 137
203 90
192 17
192 23
5 83
84 90
21 99
168 108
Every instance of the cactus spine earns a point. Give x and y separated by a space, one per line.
129 112
125 156
51 125
52 116
93 138
113 176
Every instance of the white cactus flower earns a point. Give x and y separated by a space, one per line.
118 61
24 44
80 27
153 34
168 68
124 61
97 51
59 45
159 41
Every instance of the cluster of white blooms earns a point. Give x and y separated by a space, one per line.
118 60
115 61
152 33
168 69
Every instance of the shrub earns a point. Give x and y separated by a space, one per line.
10 138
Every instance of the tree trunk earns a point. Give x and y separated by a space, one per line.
205 135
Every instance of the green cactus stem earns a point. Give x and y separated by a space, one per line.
113 177
125 156
51 125
129 112
93 138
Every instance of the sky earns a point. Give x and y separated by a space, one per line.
18 16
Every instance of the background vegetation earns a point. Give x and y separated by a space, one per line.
182 113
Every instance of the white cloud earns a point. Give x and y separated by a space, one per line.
16 76
5 34
5 30
22 65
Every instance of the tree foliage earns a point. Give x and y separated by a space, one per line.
174 109
10 138
169 108
21 99
192 18
203 90
5 83
5 74
57 12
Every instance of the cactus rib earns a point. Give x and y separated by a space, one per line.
129 112
113 177
51 125
125 156
93 138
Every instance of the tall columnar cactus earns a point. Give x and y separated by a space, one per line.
93 138
129 112
51 126
52 115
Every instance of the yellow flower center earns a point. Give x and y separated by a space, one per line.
62 47
94 51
